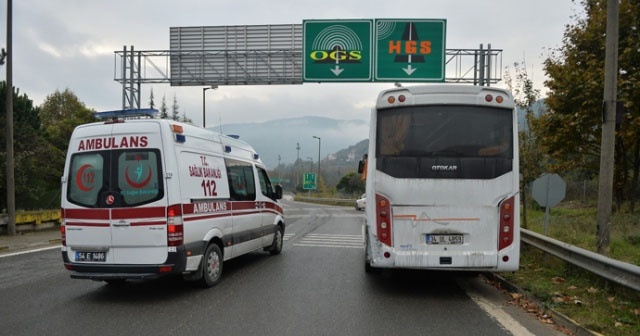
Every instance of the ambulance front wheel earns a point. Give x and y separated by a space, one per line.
278 241
211 266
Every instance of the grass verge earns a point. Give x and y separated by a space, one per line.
594 303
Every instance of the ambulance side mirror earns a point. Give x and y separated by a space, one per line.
278 191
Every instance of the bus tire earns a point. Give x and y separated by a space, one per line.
212 263
367 262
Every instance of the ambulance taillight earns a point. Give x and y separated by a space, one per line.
175 232
63 228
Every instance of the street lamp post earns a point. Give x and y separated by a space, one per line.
318 174
204 124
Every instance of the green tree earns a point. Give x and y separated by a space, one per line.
175 112
570 133
351 183
36 182
59 114
164 114
185 119
152 103
531 158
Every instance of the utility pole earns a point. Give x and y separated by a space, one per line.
204 110
11 183
318 174
607 145
297 164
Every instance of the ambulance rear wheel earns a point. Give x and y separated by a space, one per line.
211 266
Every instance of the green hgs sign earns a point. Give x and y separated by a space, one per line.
410 50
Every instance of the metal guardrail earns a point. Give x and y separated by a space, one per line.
33 216
616 271
32 220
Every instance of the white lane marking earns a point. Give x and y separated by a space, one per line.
331 240
289 216
30 251
507 322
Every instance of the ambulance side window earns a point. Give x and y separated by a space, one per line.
85 178
241 180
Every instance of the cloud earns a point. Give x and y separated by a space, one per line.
71 44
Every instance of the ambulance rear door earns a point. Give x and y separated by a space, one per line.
116 198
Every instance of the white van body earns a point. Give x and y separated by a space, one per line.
143 198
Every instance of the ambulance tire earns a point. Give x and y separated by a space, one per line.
278 241
211 266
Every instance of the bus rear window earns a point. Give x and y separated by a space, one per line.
468 141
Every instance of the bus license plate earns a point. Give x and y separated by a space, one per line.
444 239
91 256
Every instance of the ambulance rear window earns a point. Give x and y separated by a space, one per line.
117 178
138 176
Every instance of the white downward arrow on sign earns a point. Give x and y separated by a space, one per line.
337 70
409 69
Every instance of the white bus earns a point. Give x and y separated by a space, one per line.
442 180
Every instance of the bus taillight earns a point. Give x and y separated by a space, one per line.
383 219
175 231
505 235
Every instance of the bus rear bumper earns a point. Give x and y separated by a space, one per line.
387 257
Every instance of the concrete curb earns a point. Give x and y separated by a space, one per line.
560 319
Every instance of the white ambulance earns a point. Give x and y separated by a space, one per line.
143 198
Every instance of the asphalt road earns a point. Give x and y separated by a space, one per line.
317 286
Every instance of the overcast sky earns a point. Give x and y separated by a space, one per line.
70 44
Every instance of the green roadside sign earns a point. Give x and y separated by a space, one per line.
410 50
337 50
309 181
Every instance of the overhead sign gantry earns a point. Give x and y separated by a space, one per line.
380 50
360 50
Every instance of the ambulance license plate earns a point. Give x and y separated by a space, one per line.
445 239
91 256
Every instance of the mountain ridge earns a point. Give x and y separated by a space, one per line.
277 141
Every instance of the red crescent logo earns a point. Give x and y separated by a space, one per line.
134 184
79 174
110 199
